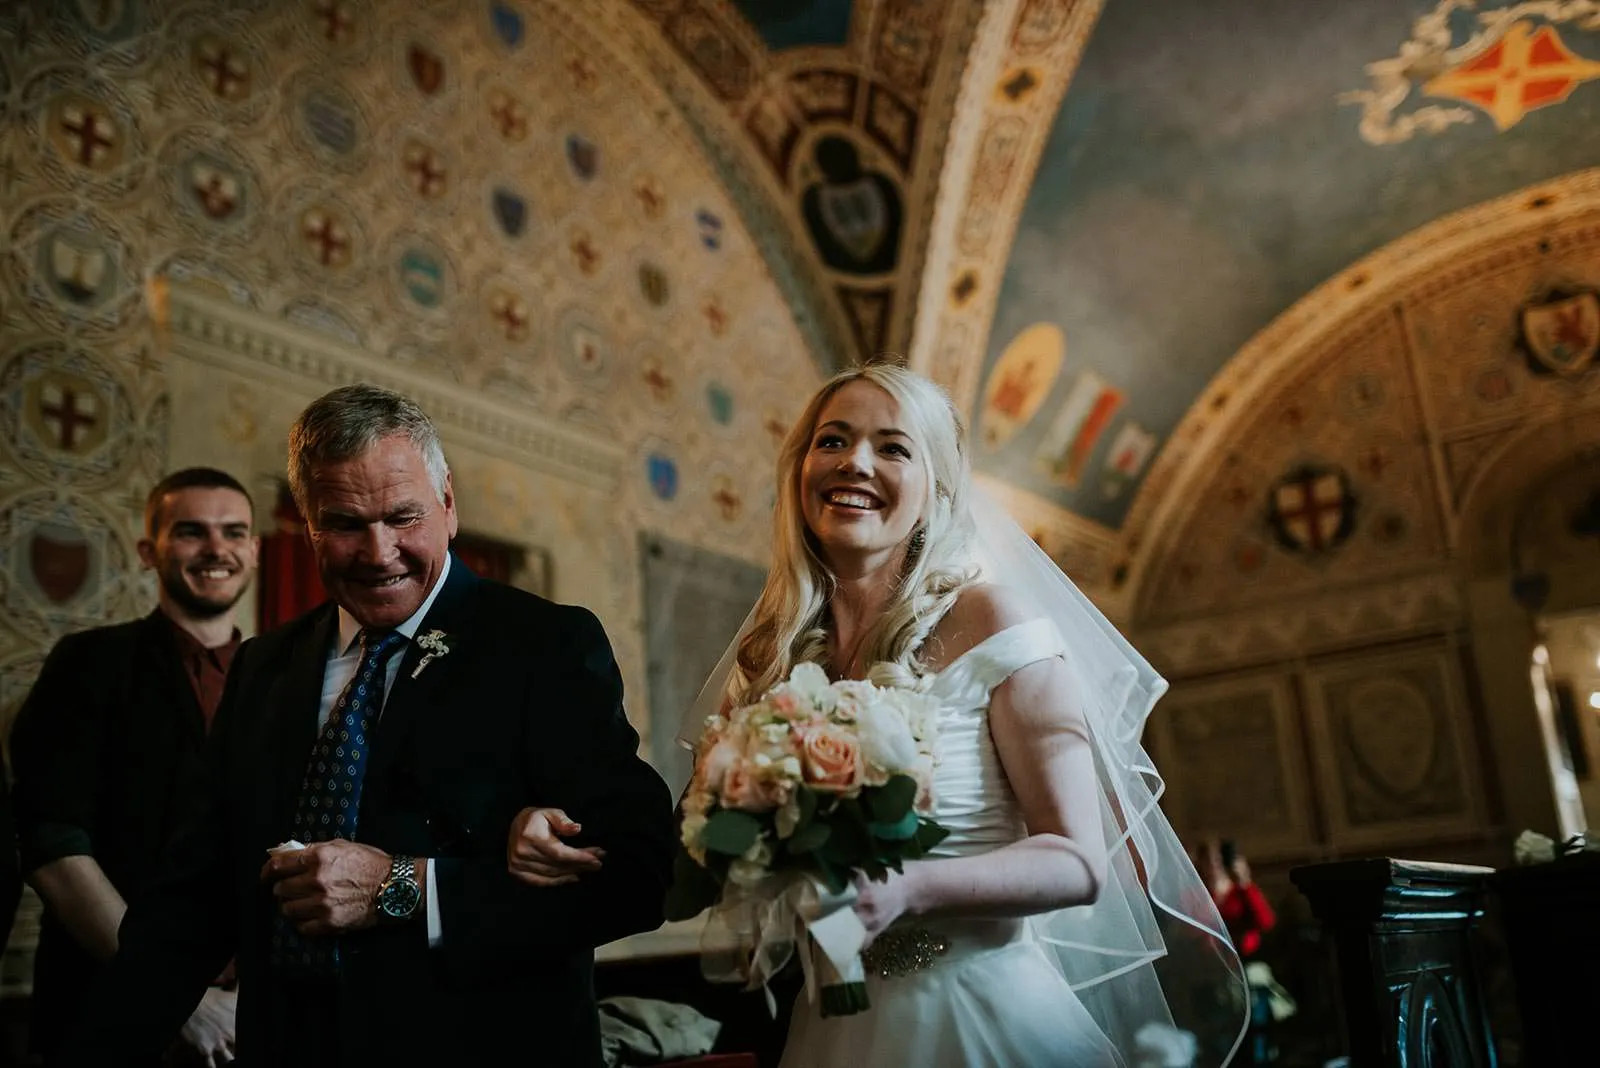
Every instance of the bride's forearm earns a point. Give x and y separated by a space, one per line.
1040 873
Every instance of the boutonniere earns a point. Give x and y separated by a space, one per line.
433 644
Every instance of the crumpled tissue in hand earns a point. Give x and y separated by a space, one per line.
1531 847
1534 848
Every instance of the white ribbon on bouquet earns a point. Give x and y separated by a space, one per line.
752 931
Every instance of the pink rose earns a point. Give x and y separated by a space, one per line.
831 758
743 788
716 761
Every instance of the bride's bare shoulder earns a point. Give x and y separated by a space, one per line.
983 609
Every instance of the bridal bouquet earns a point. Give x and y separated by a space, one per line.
790 797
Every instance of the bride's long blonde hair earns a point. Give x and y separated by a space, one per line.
790 621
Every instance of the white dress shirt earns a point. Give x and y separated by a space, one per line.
343 660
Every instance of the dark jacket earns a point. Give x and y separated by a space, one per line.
524 709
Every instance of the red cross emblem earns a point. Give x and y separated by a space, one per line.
328 239
509 116
511 313
90 134
338 25
655 377
216 191
583 250
716 318
426 170
225 73
1312 510
727 501
70 411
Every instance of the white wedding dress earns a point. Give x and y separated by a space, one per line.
991 997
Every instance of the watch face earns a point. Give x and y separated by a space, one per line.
399 899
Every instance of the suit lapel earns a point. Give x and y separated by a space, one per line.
297 723
416 692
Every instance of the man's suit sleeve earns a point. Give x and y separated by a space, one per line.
57 744
582 756
180 932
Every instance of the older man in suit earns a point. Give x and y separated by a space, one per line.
113 726
386 741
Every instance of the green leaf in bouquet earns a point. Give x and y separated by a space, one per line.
730 832
890 802
902 831
808 805
809 837
929 834
833 876
849 842
693 888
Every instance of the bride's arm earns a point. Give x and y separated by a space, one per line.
1043 743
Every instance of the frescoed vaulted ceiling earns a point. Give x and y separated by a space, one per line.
1104 226
1212 164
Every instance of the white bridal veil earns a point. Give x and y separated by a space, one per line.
1151 955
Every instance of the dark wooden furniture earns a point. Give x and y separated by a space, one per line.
1402 933
1551 917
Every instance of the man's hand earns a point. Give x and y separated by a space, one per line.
535 854
207 1039
328 887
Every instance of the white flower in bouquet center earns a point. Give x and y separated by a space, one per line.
886 738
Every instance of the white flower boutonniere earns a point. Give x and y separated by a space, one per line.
433 644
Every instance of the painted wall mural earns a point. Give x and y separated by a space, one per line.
486 192
1213 163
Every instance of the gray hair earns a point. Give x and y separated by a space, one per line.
346 422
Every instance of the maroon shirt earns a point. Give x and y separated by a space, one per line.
207 669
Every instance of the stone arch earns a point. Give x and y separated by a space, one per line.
1427 260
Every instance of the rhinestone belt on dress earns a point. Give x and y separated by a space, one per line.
901 951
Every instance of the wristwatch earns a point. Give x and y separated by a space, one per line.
400 894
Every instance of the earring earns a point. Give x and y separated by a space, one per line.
919 538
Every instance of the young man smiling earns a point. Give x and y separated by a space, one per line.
113 727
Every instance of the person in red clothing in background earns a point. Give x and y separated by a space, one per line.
1249 918
1243 906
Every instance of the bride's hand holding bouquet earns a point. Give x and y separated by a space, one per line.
791 797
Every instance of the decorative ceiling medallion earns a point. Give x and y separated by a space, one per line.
1561 333
1516 63
1312 510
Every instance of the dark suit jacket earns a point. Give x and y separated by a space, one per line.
525 709
100 748
10 870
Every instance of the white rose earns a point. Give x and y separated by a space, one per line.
809 683
886 738
920 711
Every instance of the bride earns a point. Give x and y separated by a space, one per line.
1029 937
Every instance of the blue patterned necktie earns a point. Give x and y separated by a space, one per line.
330 797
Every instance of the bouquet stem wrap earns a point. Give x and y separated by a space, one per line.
753 930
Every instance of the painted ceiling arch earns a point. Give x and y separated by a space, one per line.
828 118
1350 438
1208 167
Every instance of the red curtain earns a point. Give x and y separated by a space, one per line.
289 583
486 557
